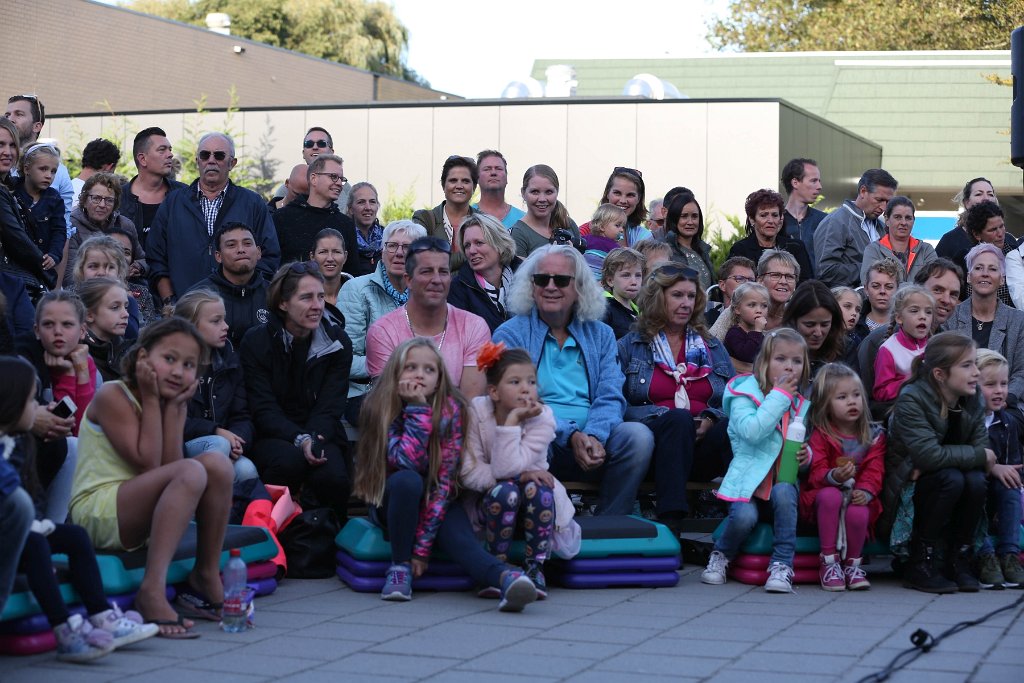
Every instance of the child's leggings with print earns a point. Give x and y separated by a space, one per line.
827 504
504 503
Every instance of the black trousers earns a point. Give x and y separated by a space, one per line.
948 504
280 462
37 566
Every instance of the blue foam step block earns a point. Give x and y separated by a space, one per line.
620 563
374 584
617 580
380 567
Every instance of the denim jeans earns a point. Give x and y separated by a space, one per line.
781 507
1004 505
678 456
244 468
16 515
628 457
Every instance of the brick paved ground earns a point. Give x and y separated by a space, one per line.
321 631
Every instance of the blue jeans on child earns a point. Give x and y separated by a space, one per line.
502 507
16 515
781 507
244 468
1004 506
400 514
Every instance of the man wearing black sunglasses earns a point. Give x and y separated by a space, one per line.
558 307
180 247
317 142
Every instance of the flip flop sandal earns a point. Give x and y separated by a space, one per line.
195 606
187 634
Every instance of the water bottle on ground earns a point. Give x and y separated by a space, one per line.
233 617
795 435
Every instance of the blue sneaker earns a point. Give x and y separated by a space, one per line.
517 591
397 584
78 641
536 574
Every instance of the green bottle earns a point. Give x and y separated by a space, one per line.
788 465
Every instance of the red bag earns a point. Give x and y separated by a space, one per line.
274 515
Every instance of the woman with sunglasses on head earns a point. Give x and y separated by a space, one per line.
371 297
676 374
765 211
459 177
19 254
625 189
295 365
96 214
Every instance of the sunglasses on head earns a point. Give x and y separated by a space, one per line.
304 267
430 244
561 281
309 144
218 155
626 169
673 270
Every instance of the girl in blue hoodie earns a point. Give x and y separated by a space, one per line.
760 407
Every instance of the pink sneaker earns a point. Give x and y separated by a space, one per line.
856 578
831 574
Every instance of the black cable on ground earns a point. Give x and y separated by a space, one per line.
924 642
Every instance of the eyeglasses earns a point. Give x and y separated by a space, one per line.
102 201
304 267
740 279
781 277
430 244
393 247
561 281
656 221
218 155
334 177
309 144
626 169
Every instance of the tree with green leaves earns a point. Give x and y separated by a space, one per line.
807 25
362 33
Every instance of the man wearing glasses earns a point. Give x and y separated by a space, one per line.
559 306
317 142
180 248
299 222
28 115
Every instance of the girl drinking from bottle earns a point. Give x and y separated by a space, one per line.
841 493
760 408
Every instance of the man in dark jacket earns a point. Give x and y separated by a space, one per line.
243 289
300 221
180 246
142 195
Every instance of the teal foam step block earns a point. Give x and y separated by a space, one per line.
762 539
122 572
364 540
22 603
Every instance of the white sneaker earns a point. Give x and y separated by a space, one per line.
124 628
714 574
780 578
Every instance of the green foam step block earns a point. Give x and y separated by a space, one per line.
761 540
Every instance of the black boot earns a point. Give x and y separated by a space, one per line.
921 574
959 568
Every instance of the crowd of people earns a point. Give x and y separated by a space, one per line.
168 345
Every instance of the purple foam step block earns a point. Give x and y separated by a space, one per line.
620 563
378 568
27 643
263 586
34 623
618 580
126 600
374 584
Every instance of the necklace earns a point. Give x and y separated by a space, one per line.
444 330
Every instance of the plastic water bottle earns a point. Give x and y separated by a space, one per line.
788 465
233 617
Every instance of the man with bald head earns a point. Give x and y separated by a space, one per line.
180 248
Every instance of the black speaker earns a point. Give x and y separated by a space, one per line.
1017 107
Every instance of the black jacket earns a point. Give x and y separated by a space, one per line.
107 355
18 252
298 223
749 247
220 400
466 293
266 362
618 317
131 208
1004 437
245 305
